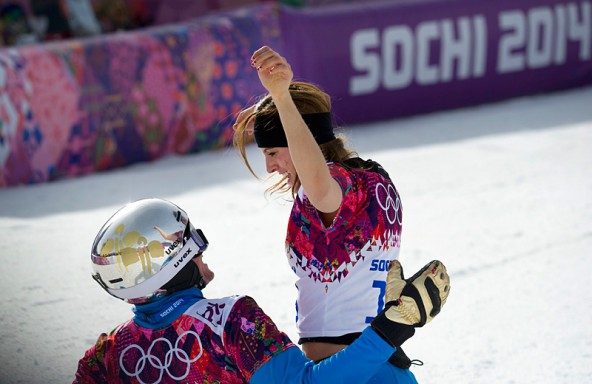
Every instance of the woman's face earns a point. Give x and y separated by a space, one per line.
278 160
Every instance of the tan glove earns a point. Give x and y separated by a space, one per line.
411 302
418 299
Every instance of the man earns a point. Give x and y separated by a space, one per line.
177 335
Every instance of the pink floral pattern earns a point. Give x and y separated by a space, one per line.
201 354
74 107
364 219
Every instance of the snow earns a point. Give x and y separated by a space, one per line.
502 193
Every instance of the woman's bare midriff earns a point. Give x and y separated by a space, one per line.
317 351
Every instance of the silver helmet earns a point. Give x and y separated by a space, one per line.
142 247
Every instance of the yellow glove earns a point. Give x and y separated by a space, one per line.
418 299
411 302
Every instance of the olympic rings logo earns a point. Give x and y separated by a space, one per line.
391 204
157 363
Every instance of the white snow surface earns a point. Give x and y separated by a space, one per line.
501 193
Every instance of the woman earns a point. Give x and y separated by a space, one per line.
346 221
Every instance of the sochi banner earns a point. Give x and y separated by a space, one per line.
390 59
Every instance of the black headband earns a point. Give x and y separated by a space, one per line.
269 132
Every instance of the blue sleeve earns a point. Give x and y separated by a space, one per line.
355 364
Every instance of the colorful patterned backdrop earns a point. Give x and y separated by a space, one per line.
79 106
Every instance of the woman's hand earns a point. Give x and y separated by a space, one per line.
274 71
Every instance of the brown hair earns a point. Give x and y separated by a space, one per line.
308 98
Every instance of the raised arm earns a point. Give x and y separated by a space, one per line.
276 76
